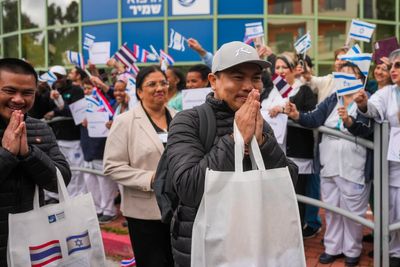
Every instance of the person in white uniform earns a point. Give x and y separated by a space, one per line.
385 105
343 177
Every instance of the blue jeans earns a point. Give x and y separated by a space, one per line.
313 190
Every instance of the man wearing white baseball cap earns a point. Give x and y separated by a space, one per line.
236 80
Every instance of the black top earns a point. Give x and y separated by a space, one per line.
158 129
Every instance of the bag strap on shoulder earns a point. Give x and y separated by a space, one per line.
207 125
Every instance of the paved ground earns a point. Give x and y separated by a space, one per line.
117 245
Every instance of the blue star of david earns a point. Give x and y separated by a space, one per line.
78 243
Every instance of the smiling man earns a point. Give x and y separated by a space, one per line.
29 154
237 83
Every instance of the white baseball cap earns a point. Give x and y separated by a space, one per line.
59 70
235 53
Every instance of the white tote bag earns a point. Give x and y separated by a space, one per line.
248 218
64 234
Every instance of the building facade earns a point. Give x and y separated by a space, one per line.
42 30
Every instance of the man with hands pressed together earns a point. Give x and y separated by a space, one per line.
29 154
236 82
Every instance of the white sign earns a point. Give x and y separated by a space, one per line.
190 7
394 145
78 110
97 124
194 97
99 52
278 124
145 7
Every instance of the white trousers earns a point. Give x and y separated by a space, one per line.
103 189
343 235
394 216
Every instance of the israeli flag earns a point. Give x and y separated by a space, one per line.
88 41
303 44
76 59
355 49
176 41
362 60
78 242
254 30
361 30
346 83
48 77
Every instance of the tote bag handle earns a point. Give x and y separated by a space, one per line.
254 151
62 191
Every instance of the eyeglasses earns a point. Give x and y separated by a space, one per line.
395 65
154 84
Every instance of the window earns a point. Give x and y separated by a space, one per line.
33 48
61 41
62 11
33 13
10 13
11 46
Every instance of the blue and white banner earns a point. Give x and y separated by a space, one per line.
254 30
190 7
142 7
303 44
88 41
361 30
176 41
346 83
78 242
165 57
362 60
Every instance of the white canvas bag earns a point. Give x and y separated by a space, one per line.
64 234
248 218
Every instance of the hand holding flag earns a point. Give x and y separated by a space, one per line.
346 83
303 44
75 58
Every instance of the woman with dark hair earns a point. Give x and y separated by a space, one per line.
134 146
177 82
197 76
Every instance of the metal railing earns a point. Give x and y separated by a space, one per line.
380 225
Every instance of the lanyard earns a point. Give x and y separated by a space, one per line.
339 123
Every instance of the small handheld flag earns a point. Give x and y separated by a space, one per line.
303 44
125 56
355 49
361 30
75 58
88 41
252 31
362 60
103 104
176 41
282 85
48 77
128 263
346 83
166 57
140 53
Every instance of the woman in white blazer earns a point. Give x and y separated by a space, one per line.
133 149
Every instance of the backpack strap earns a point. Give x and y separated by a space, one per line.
207 125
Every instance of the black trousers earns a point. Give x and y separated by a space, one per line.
300 189
151 243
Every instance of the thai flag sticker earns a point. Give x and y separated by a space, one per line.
46 253
78 242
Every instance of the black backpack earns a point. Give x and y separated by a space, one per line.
167 199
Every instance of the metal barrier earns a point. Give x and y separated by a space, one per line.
380 225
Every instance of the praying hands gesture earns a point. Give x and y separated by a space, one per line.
15 138
249 119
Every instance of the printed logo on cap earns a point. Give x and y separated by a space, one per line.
242 50
186 3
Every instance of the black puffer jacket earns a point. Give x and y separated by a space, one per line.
188 163
18 177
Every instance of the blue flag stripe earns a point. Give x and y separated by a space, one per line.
363 25
360 36
77 249
345 77
350 88
78 236
46 253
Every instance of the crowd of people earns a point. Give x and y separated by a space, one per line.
324 167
